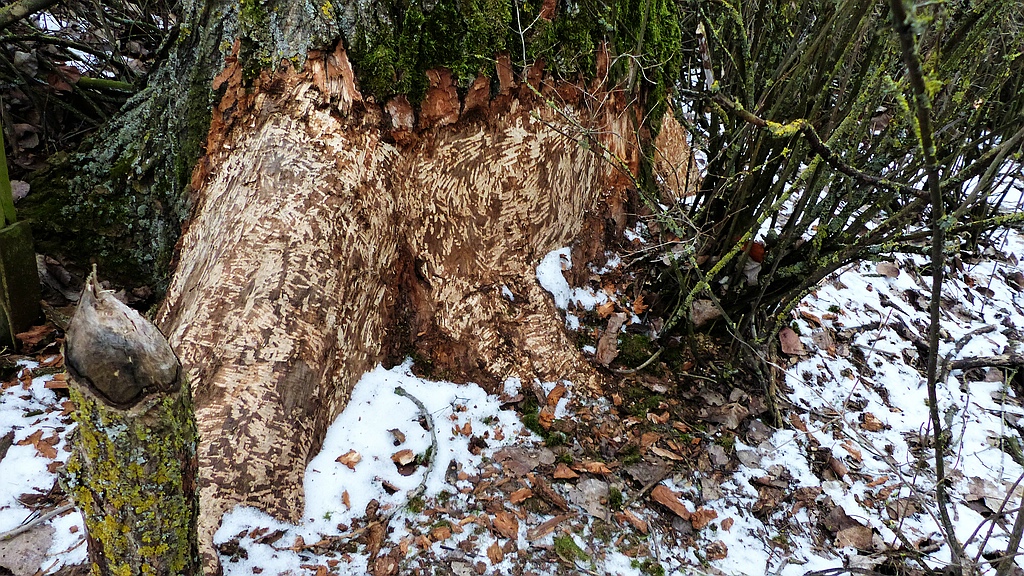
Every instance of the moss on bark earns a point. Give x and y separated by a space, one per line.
133 474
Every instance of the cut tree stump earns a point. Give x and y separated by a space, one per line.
132 472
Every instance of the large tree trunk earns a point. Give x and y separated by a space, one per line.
318 248
332 229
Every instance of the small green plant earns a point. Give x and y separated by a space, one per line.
565 458
615 498
416 504
568 550
648 566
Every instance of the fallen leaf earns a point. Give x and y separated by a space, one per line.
350 459
859 537
702 517
563 472
403 457
854 453
398 435
346 500
669 499
790 343
727 524
811 318
702 312
665 453
608 344
605 310
638 305
797 423
888 269
878 481
520 495
43 446
871 423
592 467
717 550
556 394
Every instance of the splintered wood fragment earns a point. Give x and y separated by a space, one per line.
132 471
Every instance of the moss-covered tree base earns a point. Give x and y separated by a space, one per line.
131 474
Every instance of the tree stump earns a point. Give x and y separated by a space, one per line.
133 467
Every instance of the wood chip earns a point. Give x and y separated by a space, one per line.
669 499
494 553
546 528
871 423
350 459
505 524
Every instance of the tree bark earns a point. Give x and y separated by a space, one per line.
332 229
133 467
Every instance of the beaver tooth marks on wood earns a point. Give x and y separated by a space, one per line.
113 348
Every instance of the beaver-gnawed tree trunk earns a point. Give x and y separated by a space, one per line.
333 227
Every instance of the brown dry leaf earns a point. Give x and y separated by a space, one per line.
727 524
669 499
403 457
634 520
494 553
854 453
592 467
665 453
811 318
888 269
43 446
31 338
702 312
702 517
838 467
505 524
520 495
608 344
55 361
658 418
716 550
871 423
467 429
790 342
648 439
440 533
56 383
546 417
878 481
350 459
797 423
638 305
346 500
556 394
563 472
857 536
605 310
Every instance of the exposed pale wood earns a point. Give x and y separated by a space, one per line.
318 246
132 472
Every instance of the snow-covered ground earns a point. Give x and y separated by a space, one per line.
848 483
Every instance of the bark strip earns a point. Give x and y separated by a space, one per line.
133 467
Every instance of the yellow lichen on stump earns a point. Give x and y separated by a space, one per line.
133 468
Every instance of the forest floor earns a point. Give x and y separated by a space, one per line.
676 469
